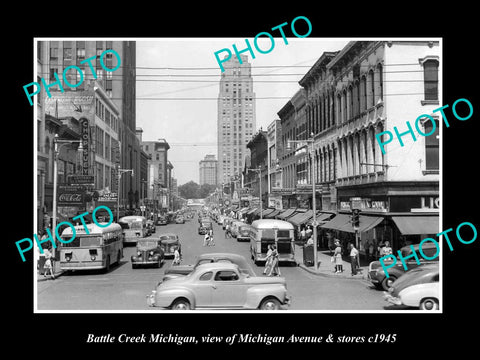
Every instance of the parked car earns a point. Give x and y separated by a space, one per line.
168 243
180 220
377 276
183 270
419 287
220 286
149 252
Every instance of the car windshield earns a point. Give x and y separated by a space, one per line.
146 244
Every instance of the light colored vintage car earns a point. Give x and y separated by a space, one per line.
207 258
220 286
419 287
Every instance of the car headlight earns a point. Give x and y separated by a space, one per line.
151 253
139 253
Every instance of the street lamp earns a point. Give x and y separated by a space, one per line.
259 171
119 176
56 153
310 142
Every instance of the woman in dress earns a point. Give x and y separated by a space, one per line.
338 257
268 261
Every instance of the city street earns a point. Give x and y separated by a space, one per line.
125 289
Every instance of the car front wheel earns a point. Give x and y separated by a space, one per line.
387 282
429 304
181 304
270 304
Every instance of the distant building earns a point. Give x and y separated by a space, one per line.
208 170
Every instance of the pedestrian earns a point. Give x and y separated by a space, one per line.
268 260
353 259
330 242
371 250
337 257
303 235
308 232
176 256
274 269
206 239
309 241
227 231
48 266
211 240
386 250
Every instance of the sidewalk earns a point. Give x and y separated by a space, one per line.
326 268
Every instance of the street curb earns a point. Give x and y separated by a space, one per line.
313 272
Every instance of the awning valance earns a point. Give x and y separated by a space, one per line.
416 225
343 222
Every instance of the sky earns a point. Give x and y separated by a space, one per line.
175 74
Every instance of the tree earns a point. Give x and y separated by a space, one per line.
205 190
190 190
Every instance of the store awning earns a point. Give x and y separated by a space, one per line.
300 218
321 218
250 212
343 222
243 210
267 212
272 214
287 213
416 225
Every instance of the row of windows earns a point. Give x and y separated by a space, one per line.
104 113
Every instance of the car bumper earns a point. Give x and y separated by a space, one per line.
392 299
372 277
151 299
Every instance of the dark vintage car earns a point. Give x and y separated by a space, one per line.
168 243
151 226
204 227
220 286
149 253
162 220
377 276
182 270
242 232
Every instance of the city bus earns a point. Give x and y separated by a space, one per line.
98 249
271 231
134 227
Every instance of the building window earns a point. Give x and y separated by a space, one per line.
432 143
430 78
67 53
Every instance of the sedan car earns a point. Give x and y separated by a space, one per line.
149 252
183 270
419 287
377 276
179 220
162 220
220 286
168 243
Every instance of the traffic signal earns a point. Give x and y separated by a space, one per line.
356 218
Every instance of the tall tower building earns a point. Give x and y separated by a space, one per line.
236 117
208 170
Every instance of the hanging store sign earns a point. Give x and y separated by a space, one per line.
84 129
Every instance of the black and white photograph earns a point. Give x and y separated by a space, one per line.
236 179
246 182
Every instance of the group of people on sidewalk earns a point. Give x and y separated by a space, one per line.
208 239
